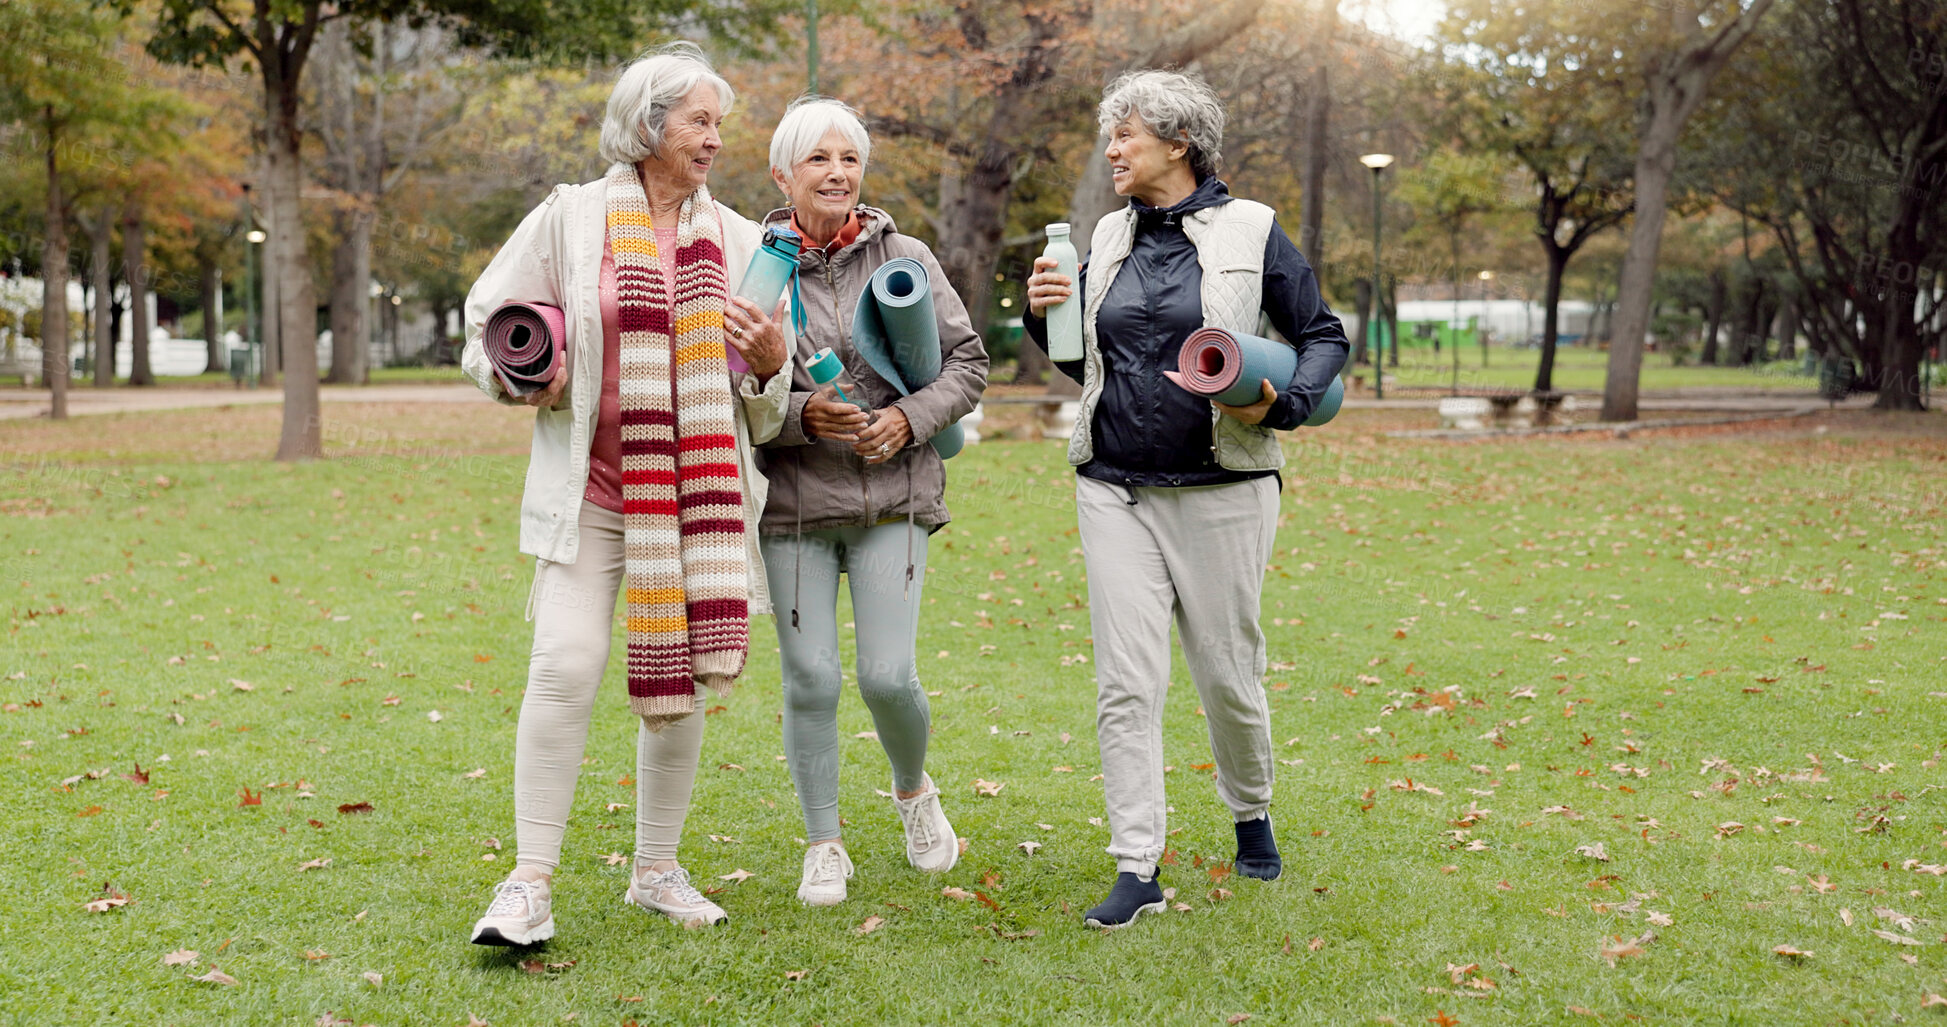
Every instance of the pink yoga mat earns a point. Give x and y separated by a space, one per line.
525 341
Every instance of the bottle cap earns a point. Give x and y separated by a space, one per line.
781 238
1058 228
824 366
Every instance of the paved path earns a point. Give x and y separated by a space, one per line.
22 403
18 403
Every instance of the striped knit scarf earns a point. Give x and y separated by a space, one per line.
682 507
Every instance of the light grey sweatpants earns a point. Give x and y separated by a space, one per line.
803 572
574 620
1196 555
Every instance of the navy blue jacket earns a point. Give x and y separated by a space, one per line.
1147 430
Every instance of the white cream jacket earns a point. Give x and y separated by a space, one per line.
555 257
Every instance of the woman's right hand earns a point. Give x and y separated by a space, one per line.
827 418
549 396
1045 288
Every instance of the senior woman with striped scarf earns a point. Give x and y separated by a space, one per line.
641 478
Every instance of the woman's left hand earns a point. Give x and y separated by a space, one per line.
758 339
1253 414
885 437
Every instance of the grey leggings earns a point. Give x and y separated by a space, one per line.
803 571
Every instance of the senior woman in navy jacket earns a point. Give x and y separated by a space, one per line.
1177 496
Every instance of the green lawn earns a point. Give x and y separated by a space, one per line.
1718 662
1580 368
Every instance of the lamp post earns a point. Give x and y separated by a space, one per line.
252 337
1486 277
1378 162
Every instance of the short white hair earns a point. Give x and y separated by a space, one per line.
806 123
1176 107
648 88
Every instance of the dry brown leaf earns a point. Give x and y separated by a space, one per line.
216 976
1579 1011
1897 939
1845 916
314 864
614 859
1930 999
1595 851
737 876
316 955
795 975
1897 918
1028 847
179 957
988 789
869 924
956 894
1315 944
1822 884
1791 953
1237 1017
373 978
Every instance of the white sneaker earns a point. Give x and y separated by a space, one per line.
930 842
671 894
826 867
521 914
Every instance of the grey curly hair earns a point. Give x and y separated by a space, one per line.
1175 106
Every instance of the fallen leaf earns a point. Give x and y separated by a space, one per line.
373 978
869 924
1580 1011
216 976
314 864
1930 999
795 975
179 957
1219 894
988 789
350 808
1791 953
475 774
1898 919
1237 1017
1821 883
1441 1019
737 876
251 798
1897 939
1028 847
1595 851
316 955
242 686
614 859
1845 916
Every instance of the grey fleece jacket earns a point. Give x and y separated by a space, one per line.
820 483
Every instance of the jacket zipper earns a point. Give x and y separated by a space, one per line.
865 486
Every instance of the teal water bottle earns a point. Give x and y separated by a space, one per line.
828 372
1064 318
770 268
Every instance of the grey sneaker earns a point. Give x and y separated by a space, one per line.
826 867
671 894
521 914
931 845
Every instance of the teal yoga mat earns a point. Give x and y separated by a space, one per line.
1227 367
894 330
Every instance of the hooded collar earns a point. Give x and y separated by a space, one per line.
872 222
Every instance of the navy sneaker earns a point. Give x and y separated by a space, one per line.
1257 851
1130 898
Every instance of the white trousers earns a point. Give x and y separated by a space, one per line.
574 620
1195 556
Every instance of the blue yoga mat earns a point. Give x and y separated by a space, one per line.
1228 366
894 330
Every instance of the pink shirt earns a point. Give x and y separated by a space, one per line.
605 452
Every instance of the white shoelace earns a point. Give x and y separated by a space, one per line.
830 866
919 826
511 898
677 882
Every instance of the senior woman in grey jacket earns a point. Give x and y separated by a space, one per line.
855 496
1176 496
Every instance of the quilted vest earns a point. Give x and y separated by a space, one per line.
1230 241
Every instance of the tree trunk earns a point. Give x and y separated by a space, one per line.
1900 346
135 268
1675 88
1362 302
1551 303
302 434
211 278
1785 327
1318 113
1750 320
101 272
54 278
269 331
351 280
1713 318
